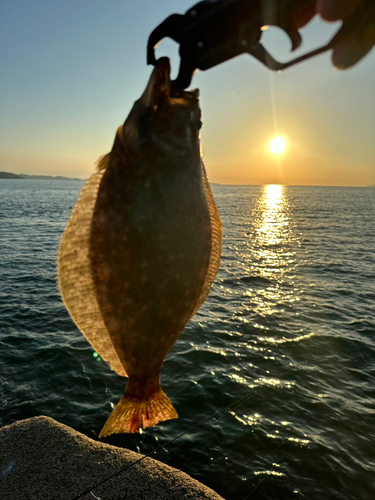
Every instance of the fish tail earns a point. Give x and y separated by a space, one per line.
135 411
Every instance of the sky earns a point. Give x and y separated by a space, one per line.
71 71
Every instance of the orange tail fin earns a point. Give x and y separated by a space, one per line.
137 410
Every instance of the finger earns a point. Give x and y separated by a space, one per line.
349 52
355 45
303 14
332 10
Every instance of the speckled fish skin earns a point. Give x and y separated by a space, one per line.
153 244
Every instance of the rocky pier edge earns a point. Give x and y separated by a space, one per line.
41 459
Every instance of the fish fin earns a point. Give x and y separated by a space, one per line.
215 241
103 162
75 280
131 414
215 231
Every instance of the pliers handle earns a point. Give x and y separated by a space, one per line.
214 31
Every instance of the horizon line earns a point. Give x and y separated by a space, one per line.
211 183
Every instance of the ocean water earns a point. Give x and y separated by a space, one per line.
285 343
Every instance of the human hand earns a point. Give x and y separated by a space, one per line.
350 49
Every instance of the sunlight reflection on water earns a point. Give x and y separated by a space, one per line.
271 231
270 255
268 258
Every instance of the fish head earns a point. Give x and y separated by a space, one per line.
164 119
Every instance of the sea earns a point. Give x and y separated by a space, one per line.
273 379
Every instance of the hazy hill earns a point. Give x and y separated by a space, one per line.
9 175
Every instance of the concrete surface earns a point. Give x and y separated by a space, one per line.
41 459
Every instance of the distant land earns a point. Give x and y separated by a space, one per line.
9 175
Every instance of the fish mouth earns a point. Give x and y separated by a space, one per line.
164 117
160 85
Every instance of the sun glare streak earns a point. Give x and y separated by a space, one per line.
273 101
279 148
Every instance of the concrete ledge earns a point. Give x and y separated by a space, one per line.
41 459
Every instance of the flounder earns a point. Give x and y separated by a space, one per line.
142 247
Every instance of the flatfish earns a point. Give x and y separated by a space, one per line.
142 247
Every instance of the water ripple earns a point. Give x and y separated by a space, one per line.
286 340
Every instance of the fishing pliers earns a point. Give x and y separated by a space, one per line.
214 31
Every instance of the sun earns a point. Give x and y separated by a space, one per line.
276 145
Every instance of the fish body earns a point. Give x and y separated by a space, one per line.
142 247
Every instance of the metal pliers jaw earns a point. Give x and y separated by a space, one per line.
214 31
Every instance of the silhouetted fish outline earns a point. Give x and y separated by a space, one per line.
142 247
